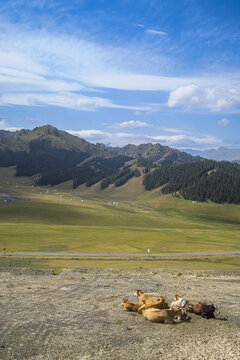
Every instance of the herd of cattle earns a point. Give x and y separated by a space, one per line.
158 310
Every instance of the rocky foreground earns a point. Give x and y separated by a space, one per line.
78 315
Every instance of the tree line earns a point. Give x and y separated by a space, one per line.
201 181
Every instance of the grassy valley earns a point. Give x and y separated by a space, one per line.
62 194
54 219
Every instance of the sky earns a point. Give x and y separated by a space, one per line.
123 71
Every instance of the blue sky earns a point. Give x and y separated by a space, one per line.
123 71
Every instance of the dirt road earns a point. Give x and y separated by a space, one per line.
118 255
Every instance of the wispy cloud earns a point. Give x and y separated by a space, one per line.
130 125
133 81
186 141
113 139
181 141
177 131
50 67
36 63
66 99
223 122
155 32
32 60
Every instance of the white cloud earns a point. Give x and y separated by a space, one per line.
177 131
89 134
155 32
113 139
224 122
4 126
185 141
41 68
132 81
65 99
215 99
34 63
181 141
63 57
130 125
19 80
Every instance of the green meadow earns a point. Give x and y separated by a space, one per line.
226 262
39 220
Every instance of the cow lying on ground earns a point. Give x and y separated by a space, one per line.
189 307
166 316
161 304
144 298
206 311
130 306
178 302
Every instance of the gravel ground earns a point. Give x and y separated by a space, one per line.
78 315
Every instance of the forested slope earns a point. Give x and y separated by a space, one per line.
206 180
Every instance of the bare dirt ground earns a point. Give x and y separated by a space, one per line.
78 315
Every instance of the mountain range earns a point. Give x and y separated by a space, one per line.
53 156
50 141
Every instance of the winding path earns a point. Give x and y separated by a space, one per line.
118 255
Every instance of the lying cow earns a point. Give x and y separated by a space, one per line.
161 304
178 302
206 311
130 306
144 298
189 307
165 316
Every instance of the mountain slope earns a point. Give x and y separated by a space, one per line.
44 148
56 156
4 133
206 180
46 137
157 153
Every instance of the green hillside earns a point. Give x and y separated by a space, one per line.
202 181
157 153
51 157
56 156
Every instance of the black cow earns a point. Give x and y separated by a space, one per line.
207 311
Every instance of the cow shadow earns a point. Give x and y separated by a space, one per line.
221 318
